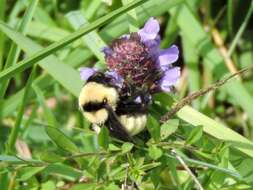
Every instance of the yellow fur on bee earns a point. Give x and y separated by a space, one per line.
133 124
98 117
95 92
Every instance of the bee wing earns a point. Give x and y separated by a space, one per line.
115 127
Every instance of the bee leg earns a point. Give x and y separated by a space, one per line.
95 128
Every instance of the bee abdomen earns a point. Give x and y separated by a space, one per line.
133 124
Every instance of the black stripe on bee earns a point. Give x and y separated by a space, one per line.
93 106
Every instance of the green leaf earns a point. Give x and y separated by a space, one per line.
195 135
61 140
113 147
152 165
153 128
13 159
216 129
154 152
127 147
49 185
28 172
103 137
64 171
242 165
101 171
83 186
51 157
112 186
16 160
169 128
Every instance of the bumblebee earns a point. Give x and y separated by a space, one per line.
104 104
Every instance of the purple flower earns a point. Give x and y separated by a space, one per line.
169 78
150 30
86 72
149 36
138 59
167 57
117 79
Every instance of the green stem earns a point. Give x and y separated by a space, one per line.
15 130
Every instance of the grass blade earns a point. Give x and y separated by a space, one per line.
48 113
58 45
193 30
216 129
230 10
241 29
131 18
15 50
91 40
14 132
51 64
45 81
2 15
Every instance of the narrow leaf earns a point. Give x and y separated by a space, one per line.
194 135
69 39
103 137
61 140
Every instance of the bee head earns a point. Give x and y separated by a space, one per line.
94 98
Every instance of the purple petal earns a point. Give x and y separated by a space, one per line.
107 51
86 72
154 47
168 56
118 80
150 30
138 99
170 78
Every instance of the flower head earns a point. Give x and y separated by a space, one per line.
138 59
130 58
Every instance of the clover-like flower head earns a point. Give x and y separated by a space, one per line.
138 59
